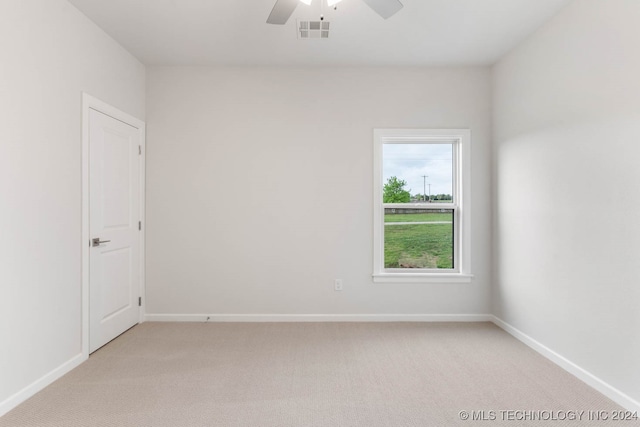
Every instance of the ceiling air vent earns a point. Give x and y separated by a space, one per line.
313 29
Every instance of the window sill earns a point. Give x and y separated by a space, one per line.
422 278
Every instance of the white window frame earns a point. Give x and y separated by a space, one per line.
460 138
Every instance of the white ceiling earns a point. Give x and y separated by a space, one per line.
234 32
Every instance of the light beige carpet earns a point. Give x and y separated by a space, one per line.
314 374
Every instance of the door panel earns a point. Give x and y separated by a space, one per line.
117 269
116 180
114 209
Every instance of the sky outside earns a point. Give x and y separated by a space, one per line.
409 162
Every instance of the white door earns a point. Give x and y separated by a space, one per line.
114 212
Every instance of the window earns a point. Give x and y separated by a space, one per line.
421 205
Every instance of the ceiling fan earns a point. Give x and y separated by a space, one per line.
283 9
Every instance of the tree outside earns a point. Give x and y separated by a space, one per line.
394 192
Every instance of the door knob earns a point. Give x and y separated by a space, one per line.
96 241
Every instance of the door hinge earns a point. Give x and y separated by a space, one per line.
139 225
140 150
139 301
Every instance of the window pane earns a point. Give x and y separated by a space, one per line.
417 172
418 238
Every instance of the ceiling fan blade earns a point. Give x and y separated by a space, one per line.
281 12
384 8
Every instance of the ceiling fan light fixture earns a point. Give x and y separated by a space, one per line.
283 9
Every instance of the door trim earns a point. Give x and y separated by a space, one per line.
91 103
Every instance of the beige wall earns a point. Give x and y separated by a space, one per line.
567 146
49 54
259 187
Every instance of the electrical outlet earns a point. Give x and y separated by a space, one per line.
338 285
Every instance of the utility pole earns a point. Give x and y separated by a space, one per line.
424 188
429 192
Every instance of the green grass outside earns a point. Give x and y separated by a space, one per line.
420 217
419 246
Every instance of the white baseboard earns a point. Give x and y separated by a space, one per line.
318 318
24 394
611 392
